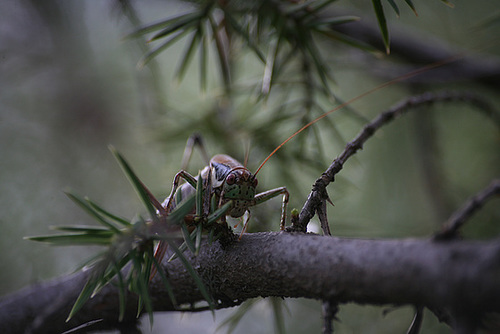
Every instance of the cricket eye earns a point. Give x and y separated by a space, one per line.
231 178
255 183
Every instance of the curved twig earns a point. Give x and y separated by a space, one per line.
329 310
416 323
319 194
476 202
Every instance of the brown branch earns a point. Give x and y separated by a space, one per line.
450 278
450 229
319 194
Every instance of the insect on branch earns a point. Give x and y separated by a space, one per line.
319 194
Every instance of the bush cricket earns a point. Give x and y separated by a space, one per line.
224 179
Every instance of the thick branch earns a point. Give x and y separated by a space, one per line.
455 276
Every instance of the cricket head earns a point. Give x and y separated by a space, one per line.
240 184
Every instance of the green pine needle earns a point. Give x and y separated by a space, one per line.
197 279
108 214
149 28
394 6
219 213
197 245
187 238
382 23
186 22
165 281
87 291
139 187
83 239
93 212
188 55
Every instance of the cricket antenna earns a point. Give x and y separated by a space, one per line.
247 153
368 92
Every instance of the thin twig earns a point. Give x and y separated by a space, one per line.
318 193
432 170
323 218
416 324
329 310
476 202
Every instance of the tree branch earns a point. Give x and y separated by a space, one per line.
452 277
450 229
318 194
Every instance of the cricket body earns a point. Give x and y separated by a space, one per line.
230 180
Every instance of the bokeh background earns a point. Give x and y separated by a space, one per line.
70 86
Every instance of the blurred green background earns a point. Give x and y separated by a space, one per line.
70 86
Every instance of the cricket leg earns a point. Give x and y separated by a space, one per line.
168 205
245 224
267 195
194 140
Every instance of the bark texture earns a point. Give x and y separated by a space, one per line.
455 279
